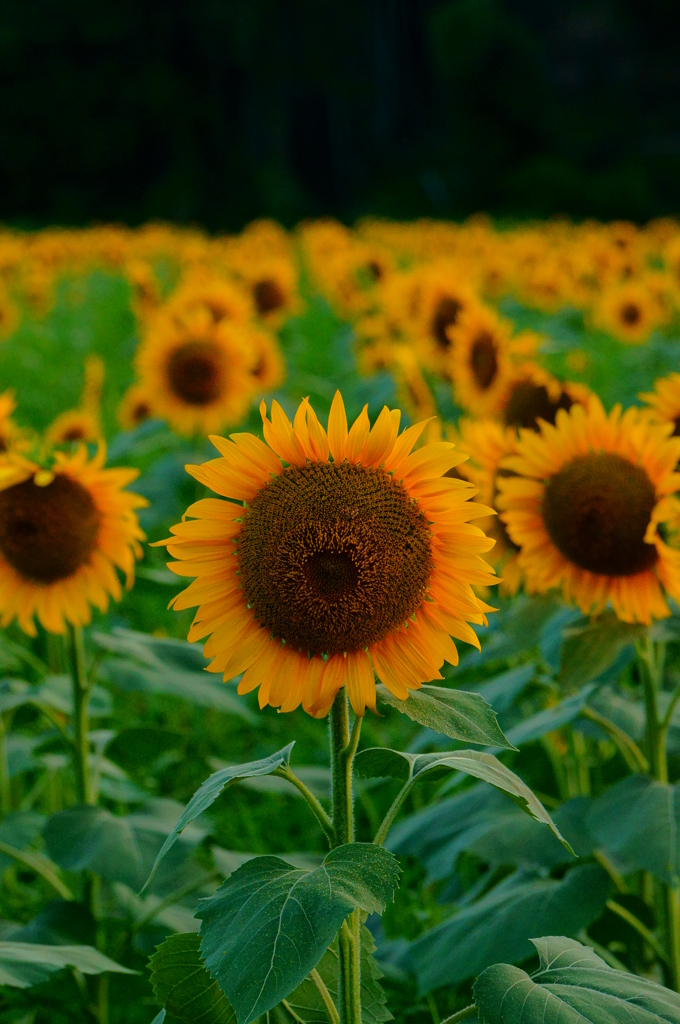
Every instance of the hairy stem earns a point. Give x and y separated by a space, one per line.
81 701
343 749
317 809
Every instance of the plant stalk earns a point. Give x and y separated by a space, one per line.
343 749
5 787
81 701
652 657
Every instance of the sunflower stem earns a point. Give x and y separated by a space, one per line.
5 786
343 748
652 658
81 701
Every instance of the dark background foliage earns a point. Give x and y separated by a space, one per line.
218 111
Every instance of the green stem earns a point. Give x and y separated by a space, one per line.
343 749
469 1011
5 787
652 658
386 823
317 809
41 865
631 753
331 1009
81 701
639 927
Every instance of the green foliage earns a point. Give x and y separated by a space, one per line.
454 713
23 964
502 923
213 787
572 985
269 924
182 985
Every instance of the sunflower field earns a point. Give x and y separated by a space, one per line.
377 529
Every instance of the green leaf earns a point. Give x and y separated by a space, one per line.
159 1018
269 924
23 964
307 1003
150 664
454 713
500 925
637 822
594 647
381 762
120 849
184 987
501 691
550 718
211 789
572 986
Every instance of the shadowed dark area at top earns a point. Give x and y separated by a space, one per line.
218 111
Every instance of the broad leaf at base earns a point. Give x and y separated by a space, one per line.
572 985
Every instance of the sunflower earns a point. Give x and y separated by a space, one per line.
664 401
340 553
480 362
211 296
9 432
73 425
136 407
532 394
199 372
273 285
444 295
63 534
586 505
267 368
630 312
488 443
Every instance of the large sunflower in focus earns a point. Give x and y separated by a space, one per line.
199 372
63 534
339 553
586 505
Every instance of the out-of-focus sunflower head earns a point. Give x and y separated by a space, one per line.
274 288
629 312
546 286
480 361
73 427
200 374
532 394
445 293
352 277
136 407
146 289
663 403
205 298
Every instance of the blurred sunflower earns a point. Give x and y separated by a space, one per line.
585 508
319 572
199 372
10 433
444 294
480 362
664 401
273 285
532 394
214 297
630 312
488 443
136 407
63 534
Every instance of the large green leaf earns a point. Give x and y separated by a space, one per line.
307 1003
120 849
183 986
161 665
269 924
502 690
454 713
381 762
572 986
637 821
593 647
211 789
499 927
23 964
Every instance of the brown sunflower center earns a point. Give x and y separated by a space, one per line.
596 510
630 314
484 360
529 402
141 412
47 533
676 427
268 296
74 433
333 557
195 372
445 315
